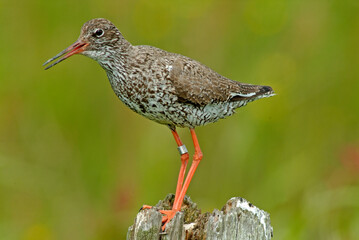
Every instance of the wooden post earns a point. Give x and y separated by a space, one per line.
238 219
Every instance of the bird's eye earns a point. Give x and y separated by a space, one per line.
98 32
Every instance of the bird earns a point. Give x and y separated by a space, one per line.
165 87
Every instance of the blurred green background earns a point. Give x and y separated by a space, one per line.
75 163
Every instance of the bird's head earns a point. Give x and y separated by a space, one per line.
98 39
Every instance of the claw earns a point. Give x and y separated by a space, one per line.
145 207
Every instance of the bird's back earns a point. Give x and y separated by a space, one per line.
196 83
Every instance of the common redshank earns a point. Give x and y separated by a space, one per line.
165 87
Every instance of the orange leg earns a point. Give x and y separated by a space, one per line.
184 161
182 189
196 159
169 214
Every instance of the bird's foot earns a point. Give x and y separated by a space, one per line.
168 215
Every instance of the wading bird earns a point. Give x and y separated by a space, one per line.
165 87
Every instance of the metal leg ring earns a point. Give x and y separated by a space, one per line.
182 149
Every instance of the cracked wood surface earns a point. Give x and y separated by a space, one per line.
238 219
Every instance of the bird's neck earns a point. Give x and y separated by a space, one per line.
114 61
115 64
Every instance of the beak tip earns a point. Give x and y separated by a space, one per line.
47 67
44 65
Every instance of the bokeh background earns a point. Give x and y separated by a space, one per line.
75 163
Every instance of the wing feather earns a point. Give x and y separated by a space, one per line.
200 85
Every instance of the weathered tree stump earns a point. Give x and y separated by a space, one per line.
238 219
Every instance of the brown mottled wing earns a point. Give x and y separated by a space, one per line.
200 85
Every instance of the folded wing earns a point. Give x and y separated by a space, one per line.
197 84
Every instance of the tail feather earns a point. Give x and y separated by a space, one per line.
252 93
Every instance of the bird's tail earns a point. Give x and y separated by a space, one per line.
251 92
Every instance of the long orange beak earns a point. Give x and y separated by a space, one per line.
76 47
